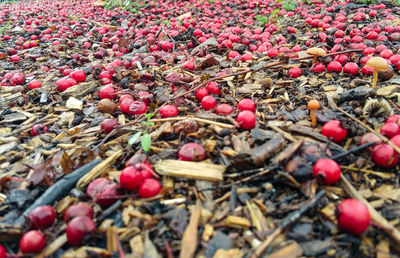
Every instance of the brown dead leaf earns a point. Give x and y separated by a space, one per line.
66 163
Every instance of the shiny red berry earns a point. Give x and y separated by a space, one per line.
137 108
34 84
149 187
168 111
370 137
295 72
79 209
32 242
78 76
124 97
42 217
246 104
107 125
146 170
223 109
62 84
192 152
332 129
3 253
107 92
213 88
246 119
326 171
125 104
384 155
78 228
353 216
201 93
130 178
103 191
393 118
38 129
390 129
208 102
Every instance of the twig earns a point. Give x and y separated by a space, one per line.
201 120
392 231
372 172
356 149
383 138
292 217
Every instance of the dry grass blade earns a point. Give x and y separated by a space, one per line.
96 171
189 240
201 120
393 232
192 170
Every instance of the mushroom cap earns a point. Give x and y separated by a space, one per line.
378 63
316 51
313 104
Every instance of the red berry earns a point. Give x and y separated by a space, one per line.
137 108
246 119
107 92
192 152
189 65
334 66
105 75
247 57
130 178
3 253
246 104
107 125
384 155
42 217
32 242
124 97
38 129
224 109
326 171
146 170
332 129
201 93
208 102
62 84
125 104
350 68
168 111
353 216
79 209
149 187
78 76
393 118
103 191
295 72
318 68
145 97
390 129
77 229
213 88
395 140
34 84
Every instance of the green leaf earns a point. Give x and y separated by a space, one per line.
135 138
146 142
149 116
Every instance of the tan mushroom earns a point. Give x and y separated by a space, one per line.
316 52
379 64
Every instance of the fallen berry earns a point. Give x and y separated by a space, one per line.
326 171
213 88
246 119
32 242
79 209
384 155
393 118
137 108
38 129
223 109
149 187
295 72
78 228
370 137
34 84
102 191
107 125
168 111
78 76
107 92
246 104
353 216
201 93
130 178
208 102
42 217
3 253
332 129
390 129
192 152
